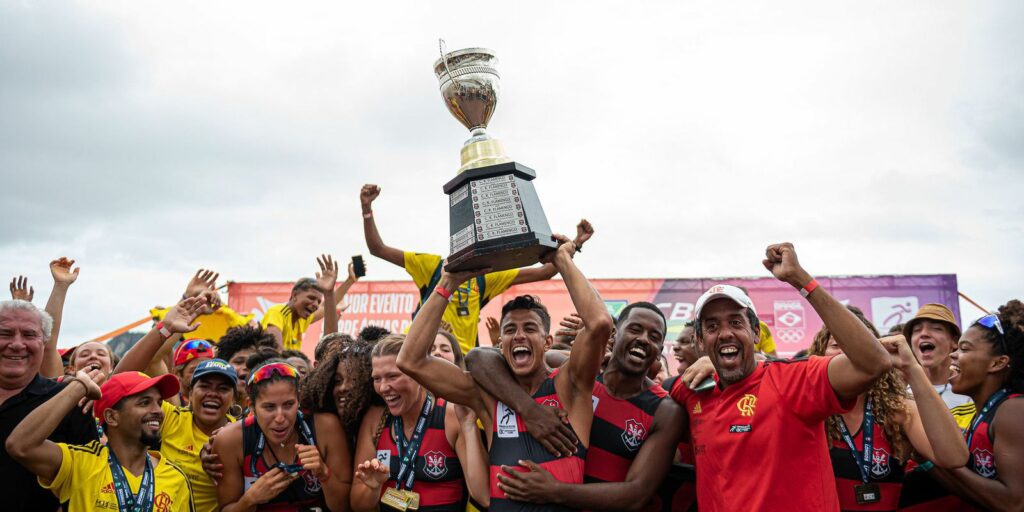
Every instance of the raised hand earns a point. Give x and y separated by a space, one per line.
92 389
180 317
454 280
493 330
311 461
565 247
373 473
20 290
368 193
903 358
61 270
202 281
781 261
327 277
570 326
583 232
352 277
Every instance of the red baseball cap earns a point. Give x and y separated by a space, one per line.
190 350
131 383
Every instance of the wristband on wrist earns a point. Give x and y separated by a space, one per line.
579 247
164 332
443 292
368 214
808 288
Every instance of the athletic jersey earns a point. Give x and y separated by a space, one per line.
85 481
512 443
438 476
425 271
304 492
982 447
770 423
292 327
683 449
211 327
620 427
180 442
886 471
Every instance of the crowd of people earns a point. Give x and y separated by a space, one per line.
212 410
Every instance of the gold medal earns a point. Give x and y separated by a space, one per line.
397 499
414 499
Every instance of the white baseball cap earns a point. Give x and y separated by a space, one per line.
723 291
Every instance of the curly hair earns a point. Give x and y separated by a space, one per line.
888 396
1011 316
317 393
240 338
330 343
373 333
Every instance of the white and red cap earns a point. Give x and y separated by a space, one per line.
723 291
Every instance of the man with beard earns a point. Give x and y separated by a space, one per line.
635 431
933 335
768 417
525 335
24 330
120 475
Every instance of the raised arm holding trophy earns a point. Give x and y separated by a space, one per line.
496 219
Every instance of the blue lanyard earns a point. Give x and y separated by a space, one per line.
126 501
261 442
407 452
867 430
989 407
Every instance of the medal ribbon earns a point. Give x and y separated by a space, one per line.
126 501
261 442
407 452
988 409
867 430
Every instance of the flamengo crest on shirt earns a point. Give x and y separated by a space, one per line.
633 434
747 404
983 464
435 466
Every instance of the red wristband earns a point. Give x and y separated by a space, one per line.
444 293
808 288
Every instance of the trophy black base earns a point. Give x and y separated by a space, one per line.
496 219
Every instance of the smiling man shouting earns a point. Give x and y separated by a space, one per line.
768 417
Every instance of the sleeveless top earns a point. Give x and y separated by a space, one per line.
684 449
886 471
438 472
303 493
620 428
982 446
512 443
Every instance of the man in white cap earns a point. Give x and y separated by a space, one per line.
767 417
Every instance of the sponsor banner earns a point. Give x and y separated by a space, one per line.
886 300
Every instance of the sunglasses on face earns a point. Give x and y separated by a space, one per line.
268 371
991 322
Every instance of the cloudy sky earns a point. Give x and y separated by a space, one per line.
147 139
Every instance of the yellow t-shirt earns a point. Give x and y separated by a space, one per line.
963 414
421 268
213 326
85 481
292 327
766 343
180 443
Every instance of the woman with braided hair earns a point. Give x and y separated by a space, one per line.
415 451
988 366
887 423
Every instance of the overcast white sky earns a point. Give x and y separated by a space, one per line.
147 139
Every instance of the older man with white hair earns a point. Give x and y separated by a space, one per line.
24 330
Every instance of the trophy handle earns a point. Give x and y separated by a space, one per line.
441 47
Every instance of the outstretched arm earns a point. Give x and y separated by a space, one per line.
441 377
863 359
491 371
546 271
373 240
28 443
177 321
63 277
645 474
325 280
930 427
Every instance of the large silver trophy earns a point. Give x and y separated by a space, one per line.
496 219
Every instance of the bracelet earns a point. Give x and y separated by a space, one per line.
579 247
163 330
808 288
368 215
443 292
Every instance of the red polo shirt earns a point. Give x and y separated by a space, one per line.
759 444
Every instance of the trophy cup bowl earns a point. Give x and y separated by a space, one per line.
470 86
496 219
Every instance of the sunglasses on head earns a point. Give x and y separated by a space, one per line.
199 345
991 322
268 371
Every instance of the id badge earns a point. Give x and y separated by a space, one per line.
867 493
414 499
395 499
463 310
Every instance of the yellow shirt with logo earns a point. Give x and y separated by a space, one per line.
421 268
292 327
766 343
85 481
213 326
180 443
964 414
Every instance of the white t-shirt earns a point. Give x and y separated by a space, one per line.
946 392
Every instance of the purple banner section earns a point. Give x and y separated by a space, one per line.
886 300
